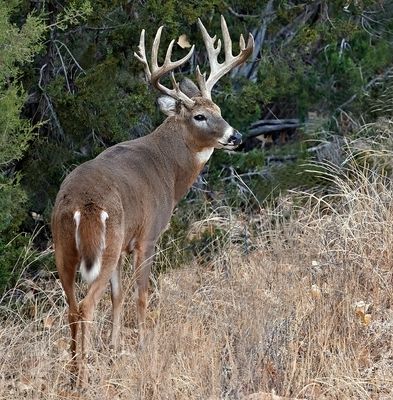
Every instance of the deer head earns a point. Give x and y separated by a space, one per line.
188 102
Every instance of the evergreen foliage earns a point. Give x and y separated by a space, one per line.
68 66
18 44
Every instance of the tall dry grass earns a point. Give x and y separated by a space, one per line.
299 306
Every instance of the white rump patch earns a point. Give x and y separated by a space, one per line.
91 275
77 219
104 216
204 155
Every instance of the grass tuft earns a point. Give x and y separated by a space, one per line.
299 306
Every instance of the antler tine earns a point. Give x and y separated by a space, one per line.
142 55
201 80
242 44
227 40
218 70
250 44
212 51
157 72
154 49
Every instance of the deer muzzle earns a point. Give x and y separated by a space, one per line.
235 139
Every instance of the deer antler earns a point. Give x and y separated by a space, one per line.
156 73
218 70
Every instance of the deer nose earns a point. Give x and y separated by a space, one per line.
235 138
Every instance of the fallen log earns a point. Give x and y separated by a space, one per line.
272 125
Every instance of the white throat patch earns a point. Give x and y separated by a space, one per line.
204 155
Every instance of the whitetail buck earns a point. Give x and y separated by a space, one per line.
123 199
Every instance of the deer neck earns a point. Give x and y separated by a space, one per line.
184 158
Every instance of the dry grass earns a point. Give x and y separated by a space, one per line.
305 313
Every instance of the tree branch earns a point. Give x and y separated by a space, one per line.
53 113
372 82
249 70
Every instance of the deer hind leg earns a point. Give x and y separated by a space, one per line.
117 300
144 253
73 319
67 267
87 307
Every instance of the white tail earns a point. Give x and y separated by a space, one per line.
122 200
89 247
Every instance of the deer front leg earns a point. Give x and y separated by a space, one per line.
144 254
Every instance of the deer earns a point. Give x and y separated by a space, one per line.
121 201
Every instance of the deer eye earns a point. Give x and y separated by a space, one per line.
200 117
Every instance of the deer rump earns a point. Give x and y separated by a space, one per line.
90 229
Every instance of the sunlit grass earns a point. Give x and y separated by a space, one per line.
303 310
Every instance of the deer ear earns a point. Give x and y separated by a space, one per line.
168 105
188 87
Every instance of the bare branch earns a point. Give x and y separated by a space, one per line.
236 14
53 113
64 68
377 79
249 70
71 55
